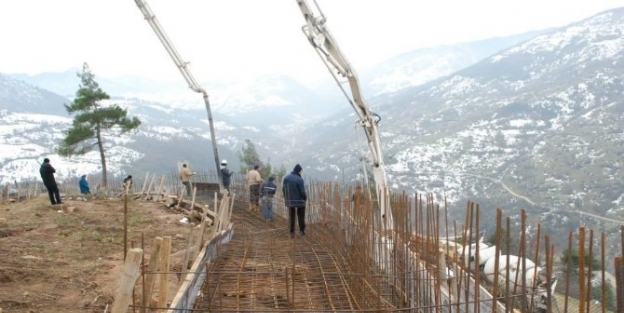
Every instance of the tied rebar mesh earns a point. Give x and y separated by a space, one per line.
348 262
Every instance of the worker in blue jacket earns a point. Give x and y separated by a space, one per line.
84 185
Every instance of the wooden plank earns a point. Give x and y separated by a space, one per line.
164 272
144 184
151 270
149 189
130 273
161 187
189 238
619 283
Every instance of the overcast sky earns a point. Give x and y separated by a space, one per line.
246 38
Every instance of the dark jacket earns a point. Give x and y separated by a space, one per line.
268 188
84 186
226 174
294 190
47 174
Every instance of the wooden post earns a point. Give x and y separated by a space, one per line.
144 184
189 238
161 192
125 236
619 284
29 193
202 230
129 276
151 270
19 191
164 272
149 189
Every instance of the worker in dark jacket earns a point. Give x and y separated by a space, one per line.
47 175
225 175
267 192
295 199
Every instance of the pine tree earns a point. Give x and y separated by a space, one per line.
248 156
93 120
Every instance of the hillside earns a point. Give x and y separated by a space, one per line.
62 261
543 116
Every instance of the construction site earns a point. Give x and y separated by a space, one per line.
368 249
348 261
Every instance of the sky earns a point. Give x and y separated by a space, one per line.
238 39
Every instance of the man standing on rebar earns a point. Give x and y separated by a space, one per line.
253 181
185 176
295 199
47 175
225 175
267 191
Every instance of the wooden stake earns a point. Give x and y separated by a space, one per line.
161 192
151 270
125 234
144 185
129 276
189 238
164 272
149 189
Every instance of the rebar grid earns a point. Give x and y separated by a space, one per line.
264 269
350 261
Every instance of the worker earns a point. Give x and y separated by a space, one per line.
254 179
127 184
185 175
84 185
295 199
225 175
267 192
47 175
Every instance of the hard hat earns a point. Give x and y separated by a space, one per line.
224 162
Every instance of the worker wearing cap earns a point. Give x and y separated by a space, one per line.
225 175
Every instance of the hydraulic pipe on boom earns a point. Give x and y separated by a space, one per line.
326 47
183 67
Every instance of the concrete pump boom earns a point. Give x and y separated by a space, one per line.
321 39
183 67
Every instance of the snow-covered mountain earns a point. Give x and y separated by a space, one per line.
277 94
543 119
423 65
486 119
165 137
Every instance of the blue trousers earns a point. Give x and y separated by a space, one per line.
267 207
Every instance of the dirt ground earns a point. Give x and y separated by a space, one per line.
54 260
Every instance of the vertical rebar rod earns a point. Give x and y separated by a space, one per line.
581 269
508 297
590 258
497 242
144 305
477 261
568 274
603 266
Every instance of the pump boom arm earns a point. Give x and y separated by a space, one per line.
184 70
321 39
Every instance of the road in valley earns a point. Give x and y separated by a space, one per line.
527 199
